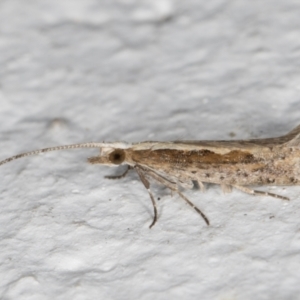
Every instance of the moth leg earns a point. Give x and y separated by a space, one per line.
186 184
173 188
256 193
118 176
147 186
194 207
202 186
226 188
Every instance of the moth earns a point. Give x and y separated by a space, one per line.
178 165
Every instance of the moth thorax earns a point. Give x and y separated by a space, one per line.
117 156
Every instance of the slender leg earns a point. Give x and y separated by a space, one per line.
255 192
146 183
194 207
119 176
174 188
226 188
202 186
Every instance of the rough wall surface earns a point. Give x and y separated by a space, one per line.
87 70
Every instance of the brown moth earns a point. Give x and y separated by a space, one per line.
238 164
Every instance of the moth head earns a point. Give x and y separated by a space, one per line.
109 156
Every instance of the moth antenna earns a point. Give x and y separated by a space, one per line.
56 148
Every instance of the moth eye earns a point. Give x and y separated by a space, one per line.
117 156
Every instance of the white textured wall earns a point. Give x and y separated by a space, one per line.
87 70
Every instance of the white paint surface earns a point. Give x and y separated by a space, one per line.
78 71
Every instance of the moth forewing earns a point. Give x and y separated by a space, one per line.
238 164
